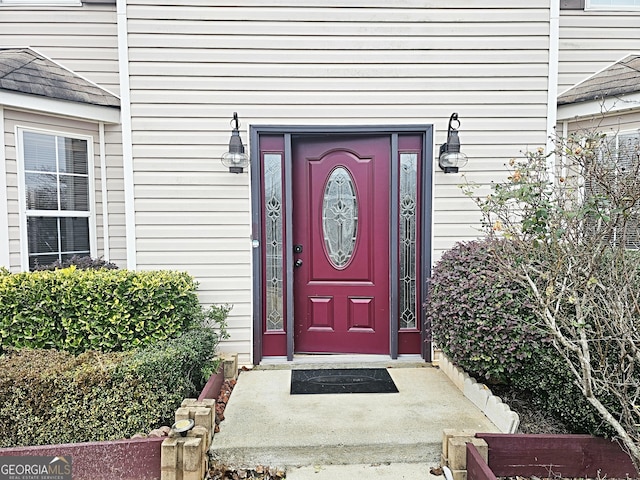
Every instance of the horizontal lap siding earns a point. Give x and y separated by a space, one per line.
591 41
84 40
610 124
193 64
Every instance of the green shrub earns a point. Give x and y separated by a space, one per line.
547 382
48 396
481 321
107 310
485 324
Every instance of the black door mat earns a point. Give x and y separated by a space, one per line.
345 380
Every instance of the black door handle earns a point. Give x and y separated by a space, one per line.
298 263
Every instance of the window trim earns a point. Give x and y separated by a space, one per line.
22 188
588 7
40 3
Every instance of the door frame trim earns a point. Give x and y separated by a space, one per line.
428 149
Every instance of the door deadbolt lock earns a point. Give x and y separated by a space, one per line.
297 249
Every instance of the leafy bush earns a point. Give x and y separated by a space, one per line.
107 310
481 321
548 384
485 324
81 263
48 396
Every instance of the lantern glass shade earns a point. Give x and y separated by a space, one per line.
453 159
235 159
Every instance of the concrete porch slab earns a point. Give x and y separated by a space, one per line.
265 425
392 471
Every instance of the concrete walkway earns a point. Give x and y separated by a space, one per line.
385 435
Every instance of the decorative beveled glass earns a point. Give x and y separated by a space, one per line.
340 217
273 240
408 220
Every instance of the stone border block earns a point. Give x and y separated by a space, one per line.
230 361
478 393
186 457
501 415
457 451
506 420
459 474
449 433
202 412
194 402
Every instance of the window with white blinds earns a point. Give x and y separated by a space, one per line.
621 154
57 196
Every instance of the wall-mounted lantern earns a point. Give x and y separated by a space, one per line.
451 159
235 158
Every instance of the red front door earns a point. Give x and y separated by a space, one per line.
340 234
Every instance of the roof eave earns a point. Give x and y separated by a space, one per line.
597 107
85 111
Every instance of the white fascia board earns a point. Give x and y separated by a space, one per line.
52 106
599 107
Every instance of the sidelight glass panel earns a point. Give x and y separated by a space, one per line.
408 220
340 217
273 240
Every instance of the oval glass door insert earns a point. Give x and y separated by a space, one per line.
340 217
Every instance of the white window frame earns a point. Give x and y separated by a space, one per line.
40 3
22 188
611 8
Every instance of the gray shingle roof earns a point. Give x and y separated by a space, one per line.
623 77
23 70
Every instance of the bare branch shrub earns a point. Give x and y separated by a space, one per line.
572 238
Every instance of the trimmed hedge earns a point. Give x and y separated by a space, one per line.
49 396
107 310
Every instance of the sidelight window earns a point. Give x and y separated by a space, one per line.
273 220
408 211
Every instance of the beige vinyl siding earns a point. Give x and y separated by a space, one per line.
115 195
609 124
193 63
591 41
62 126
83 39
